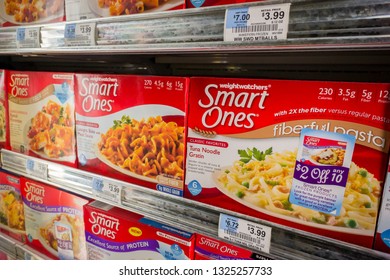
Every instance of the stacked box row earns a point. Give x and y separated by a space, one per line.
65 226
310 155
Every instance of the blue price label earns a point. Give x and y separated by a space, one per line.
70 31
237 17
97 184
228 223
30 165
21 34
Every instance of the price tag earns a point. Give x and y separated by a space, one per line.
28 37
259 23
107 189
244 232
80 34
37 169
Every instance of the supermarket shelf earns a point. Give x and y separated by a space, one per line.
333 25
19 251
8 246
286 243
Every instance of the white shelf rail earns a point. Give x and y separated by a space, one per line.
332 24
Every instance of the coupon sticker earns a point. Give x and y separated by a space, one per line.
321 170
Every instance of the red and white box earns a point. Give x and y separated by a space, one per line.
208 3
25 12
382 237
131 128
116 234
41 115
81 9
54 221
4 133
12 220
242 142
207 248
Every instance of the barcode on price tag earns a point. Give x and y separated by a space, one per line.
37 169
257 23
28 37
244 232
80 34
107 189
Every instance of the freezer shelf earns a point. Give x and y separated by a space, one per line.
331 24
286 243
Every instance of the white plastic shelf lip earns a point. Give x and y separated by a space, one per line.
11 158
7 245
304 16
164 204
24 252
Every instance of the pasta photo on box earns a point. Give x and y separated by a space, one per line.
85 9
24 12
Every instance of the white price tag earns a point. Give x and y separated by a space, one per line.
107 189
80 34
244 232
28 37
257 23
36 169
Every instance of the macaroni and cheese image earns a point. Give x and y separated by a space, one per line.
264 182
145 147
11 210
27 11
51 131
330 156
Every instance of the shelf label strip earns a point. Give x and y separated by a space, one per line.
9 159
28 37
80 34
245 232
107 189
257 23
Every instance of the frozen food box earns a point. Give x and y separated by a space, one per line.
81 9
131 128
54 220
116 234
12 220
25 12
41 115
207 248
4 134
208 3
382 237
242 144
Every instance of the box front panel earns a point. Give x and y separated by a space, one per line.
132 128
242 143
